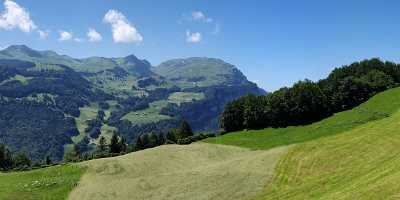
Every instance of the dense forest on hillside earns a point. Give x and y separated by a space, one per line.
307 101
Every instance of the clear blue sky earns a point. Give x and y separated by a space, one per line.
274 43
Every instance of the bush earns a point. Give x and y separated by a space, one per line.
184 141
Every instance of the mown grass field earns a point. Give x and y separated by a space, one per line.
53 183
378 107
179 172
362 163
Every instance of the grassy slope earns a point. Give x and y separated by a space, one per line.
51 183
378 107
151 114
197 171
360 164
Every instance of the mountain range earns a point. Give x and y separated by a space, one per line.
50 102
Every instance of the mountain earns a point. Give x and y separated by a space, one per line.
92 64
201 72
51 102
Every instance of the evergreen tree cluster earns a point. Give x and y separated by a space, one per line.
10 161
307 101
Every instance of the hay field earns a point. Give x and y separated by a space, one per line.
198 171
363 163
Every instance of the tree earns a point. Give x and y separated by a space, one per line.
100 115
102 143
122 145
21 160
170 137
253 111
184 131
114 144
232 117
153 140
47 160
142 142
6 161
72 154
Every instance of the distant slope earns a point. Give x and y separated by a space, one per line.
362 163
93 64
134 99
197 171
201 72
380 106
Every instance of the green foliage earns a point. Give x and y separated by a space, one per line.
102 144
72 154
122 145
21 161
184 141
114 144
6 161
184 131
170 137
48 161
306 102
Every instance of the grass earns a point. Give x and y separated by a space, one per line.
107 132
151 114
86 113
178 172
380 106
53 183
183 97
362 163
22 79
46 67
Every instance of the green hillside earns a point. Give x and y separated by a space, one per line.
380 106
362 163
351 155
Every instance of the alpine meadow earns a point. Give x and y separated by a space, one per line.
199 100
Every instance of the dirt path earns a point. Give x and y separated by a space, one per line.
198 171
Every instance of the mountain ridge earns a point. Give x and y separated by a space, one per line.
99 96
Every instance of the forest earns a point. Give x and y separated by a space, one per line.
307 101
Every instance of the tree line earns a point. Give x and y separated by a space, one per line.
118 145
307 101
18 161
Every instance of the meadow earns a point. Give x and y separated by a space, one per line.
52 183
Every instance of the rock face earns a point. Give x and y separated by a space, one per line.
97 96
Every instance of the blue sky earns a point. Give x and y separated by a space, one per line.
274 43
